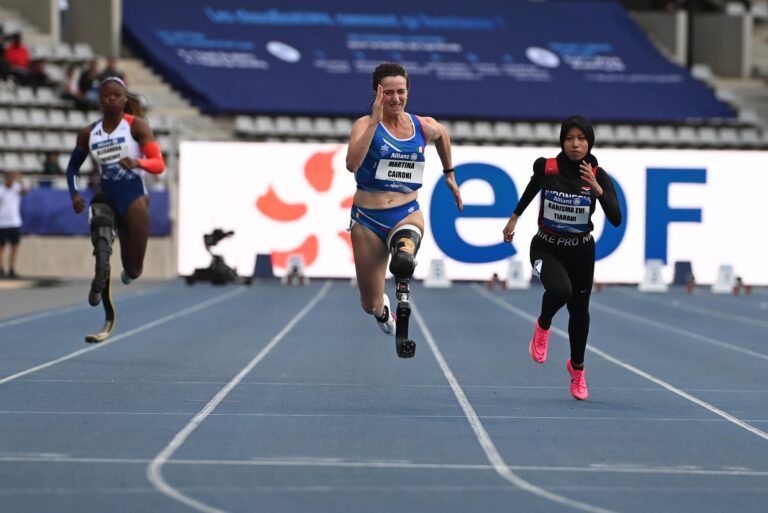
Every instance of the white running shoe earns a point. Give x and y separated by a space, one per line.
388 326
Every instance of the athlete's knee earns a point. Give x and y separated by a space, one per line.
134 271
102 223
368 306
403 244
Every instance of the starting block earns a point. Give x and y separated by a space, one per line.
653 280
437 277
295 274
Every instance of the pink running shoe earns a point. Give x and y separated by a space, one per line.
539 343
578 383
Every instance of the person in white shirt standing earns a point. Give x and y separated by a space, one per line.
11 191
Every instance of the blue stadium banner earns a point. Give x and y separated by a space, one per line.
49 212
491 59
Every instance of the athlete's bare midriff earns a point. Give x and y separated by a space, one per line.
384 199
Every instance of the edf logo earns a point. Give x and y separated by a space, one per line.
659 215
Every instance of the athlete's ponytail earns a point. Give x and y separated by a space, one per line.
134 104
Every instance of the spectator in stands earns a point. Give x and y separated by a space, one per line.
51 168
70 88
563 251
17 53
111 70
11 191
5 68
117 142
385 214
37 76
88 84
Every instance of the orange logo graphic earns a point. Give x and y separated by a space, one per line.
319 173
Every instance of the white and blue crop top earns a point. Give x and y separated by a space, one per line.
393 164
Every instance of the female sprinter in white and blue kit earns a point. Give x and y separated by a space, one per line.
386 153
123 146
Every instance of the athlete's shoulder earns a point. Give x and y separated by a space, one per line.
539 165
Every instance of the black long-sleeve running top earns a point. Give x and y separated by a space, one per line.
565 197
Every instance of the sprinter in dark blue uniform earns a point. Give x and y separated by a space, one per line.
386 153
563 250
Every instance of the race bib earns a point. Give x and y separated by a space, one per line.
400 171
566 213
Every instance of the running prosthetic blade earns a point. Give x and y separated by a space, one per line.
109 313
405 347
101 274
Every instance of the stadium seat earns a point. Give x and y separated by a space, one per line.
285 126
323 127
749 137
76 119
546 133
33 140
57 119
625 135
524 133
244 125
483 131
686 136
707 137
605 135
38 118
666 136
342 127
11 162
462 131
263 126
505 131
728 137
646 135
19 118
304 127
82 52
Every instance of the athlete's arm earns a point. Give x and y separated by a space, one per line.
359 141
533 187
363 131
76 159
609 200
143 135
530 192
437 133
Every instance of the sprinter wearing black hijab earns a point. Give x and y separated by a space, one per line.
563 250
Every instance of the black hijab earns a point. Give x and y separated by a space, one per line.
586 126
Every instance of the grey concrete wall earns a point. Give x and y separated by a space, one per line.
667 30
70 257
44 14
722 42
96 22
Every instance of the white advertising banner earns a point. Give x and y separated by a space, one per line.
282 199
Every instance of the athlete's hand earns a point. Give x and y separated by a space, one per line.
78 203
509 229
129 163
377 109
588 176
450 181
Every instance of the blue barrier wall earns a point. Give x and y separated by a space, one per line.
487 59
49 212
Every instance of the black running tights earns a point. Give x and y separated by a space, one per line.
567 274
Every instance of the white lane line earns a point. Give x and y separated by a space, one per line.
145 327
678 331
66 309
155 467
366 416
676 303
497 462
692 470
630 368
